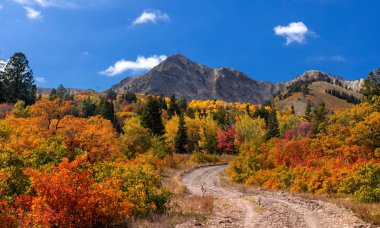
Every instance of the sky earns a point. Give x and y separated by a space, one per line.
95 44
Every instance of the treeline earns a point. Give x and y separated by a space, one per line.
343 95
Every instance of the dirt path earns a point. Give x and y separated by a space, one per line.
234 208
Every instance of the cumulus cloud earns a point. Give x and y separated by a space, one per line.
33 14
151 16
293 32
40 80
141 64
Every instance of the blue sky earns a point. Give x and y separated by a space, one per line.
94 44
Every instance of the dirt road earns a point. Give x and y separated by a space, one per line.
234 208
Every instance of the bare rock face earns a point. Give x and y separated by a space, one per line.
184 78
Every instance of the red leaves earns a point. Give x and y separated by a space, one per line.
226 139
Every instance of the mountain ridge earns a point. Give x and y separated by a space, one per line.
183 77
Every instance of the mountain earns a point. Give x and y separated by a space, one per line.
317 86
182 77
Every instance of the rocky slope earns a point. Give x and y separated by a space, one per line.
182 77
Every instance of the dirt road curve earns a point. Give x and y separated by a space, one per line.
233 208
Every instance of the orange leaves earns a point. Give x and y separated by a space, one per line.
94 135
68 196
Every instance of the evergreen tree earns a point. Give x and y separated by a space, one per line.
182 106
173 107
371 86
87 108
111 95
151 116
162 102
61 92
221 117
130 97
105 109
262 113
292 110
308 110
319 116
273 126
17 81
181 139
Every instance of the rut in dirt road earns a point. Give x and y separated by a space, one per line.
263 208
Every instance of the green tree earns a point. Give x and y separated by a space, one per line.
319 116
371 86
17 81
151 116
106 109
181 139
173 107
273 126
182 106
308 110
61 92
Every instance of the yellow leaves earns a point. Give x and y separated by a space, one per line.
171 128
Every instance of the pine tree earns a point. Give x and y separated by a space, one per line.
181 139
308 110
273 126
173 107
105 109
182 106
17 81
319 116
151 116
371 86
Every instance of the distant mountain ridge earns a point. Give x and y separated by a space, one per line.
182 77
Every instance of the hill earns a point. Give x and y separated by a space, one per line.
338 94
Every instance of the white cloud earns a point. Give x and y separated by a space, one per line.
141 64
85 53
33 14
40 80
151 16
293 32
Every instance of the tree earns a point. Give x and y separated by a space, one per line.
17 81
182 106
308 110
173 107
262 113
273 129
129 97
151 116
111 95
106 110
62 93
181 139
371 86
226 139
319 116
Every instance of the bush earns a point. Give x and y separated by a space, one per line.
203 157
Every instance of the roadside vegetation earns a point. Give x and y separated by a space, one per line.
105 159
